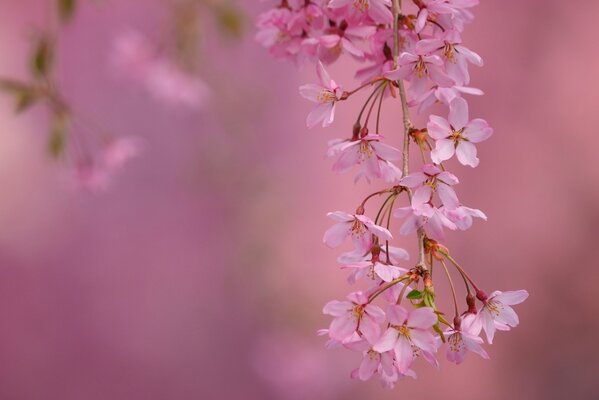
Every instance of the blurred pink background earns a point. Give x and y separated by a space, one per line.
201 273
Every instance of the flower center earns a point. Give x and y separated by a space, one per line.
404 331
326 96
455 341
373 355
494 307
361 5
365 149
357 312
449 52
420 67
456 136
358 228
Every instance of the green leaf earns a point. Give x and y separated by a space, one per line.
25 94
66 10
414 295
58 134
43 57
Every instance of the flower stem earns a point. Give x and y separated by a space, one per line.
406 122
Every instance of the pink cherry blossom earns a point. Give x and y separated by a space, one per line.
358 226
367 152
496 313
355 315
461 341
457 135
408 335
429 181
433 219
449 47
325 94
420 70
463 216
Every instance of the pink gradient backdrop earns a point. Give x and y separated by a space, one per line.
201 274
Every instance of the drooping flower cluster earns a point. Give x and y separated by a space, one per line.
412 53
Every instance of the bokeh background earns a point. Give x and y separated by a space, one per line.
201 274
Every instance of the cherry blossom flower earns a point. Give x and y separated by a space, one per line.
457 135
367 152
463 216
428 181
460 341
408 335
449 47
374 268
496 312
432 218
326 94
420 70
354 315
358 226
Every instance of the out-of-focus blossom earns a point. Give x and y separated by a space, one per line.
135 57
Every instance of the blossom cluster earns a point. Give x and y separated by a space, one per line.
411 52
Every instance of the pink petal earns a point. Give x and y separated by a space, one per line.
423 339
470 55
337 308
323 75
368 367
422 318
397 314
385 151
342 327
321 112
386 272
447 196
444 150
438 127
466 153
404 355
413 180
311 91
477 130
458 113
422 195
387 341
349 157
511 298
426 46
336 234
370 329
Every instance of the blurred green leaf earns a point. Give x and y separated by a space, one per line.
25 94
66 10
43 57
25 100
230 20
58 135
